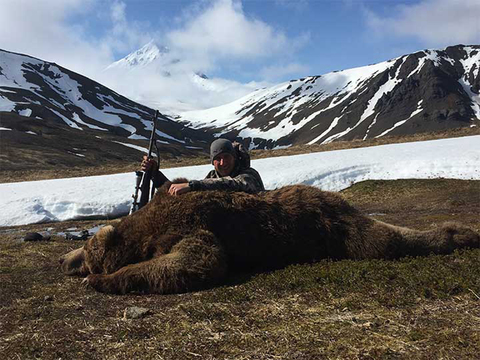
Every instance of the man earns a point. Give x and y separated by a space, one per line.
232 171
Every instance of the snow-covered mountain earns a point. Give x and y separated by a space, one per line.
143 57
156 77
53 117
425 91
38 89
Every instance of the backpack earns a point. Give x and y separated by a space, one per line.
243 156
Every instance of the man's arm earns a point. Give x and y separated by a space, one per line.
158 178
248 181
179 189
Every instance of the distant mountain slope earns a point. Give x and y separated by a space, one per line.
36 89
426 91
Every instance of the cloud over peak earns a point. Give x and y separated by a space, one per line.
223 31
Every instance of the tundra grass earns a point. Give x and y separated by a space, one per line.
412 308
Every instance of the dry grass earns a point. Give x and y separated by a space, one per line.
418 203
415 308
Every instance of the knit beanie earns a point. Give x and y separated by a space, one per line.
221 146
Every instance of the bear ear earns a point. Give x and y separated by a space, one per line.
106 235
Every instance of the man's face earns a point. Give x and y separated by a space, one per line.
224 164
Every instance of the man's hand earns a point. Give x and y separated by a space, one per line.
179 189
148 163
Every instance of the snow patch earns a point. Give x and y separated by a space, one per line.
136 147
137 137
6 105
66 120
475 98
25 112
400 123
333 124
80 121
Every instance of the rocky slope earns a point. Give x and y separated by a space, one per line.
429 90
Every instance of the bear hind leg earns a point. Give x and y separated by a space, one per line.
442 240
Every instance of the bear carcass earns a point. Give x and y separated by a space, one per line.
189 242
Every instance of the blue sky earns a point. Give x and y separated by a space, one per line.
249 40
320 35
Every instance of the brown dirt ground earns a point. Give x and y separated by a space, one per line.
415 308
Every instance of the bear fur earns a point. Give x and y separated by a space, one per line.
183 243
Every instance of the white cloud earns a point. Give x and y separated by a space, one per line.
57 31
182 90
433 22
118 12
209 36
223 31
124 34
42 29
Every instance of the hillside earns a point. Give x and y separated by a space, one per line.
47 146
53 119
45 108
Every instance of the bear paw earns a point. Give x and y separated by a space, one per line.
73 263
102 283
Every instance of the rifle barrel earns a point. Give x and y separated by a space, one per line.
143 178
152 135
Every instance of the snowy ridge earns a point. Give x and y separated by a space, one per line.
140 58
363 102
471 64
316 87
110 196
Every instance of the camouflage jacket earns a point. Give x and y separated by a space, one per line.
243 179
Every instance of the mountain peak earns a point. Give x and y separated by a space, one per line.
142 57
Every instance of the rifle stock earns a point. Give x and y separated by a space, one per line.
144 178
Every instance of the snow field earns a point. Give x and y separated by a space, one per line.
110 195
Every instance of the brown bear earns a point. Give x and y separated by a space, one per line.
182 243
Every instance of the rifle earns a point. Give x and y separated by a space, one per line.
143 178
